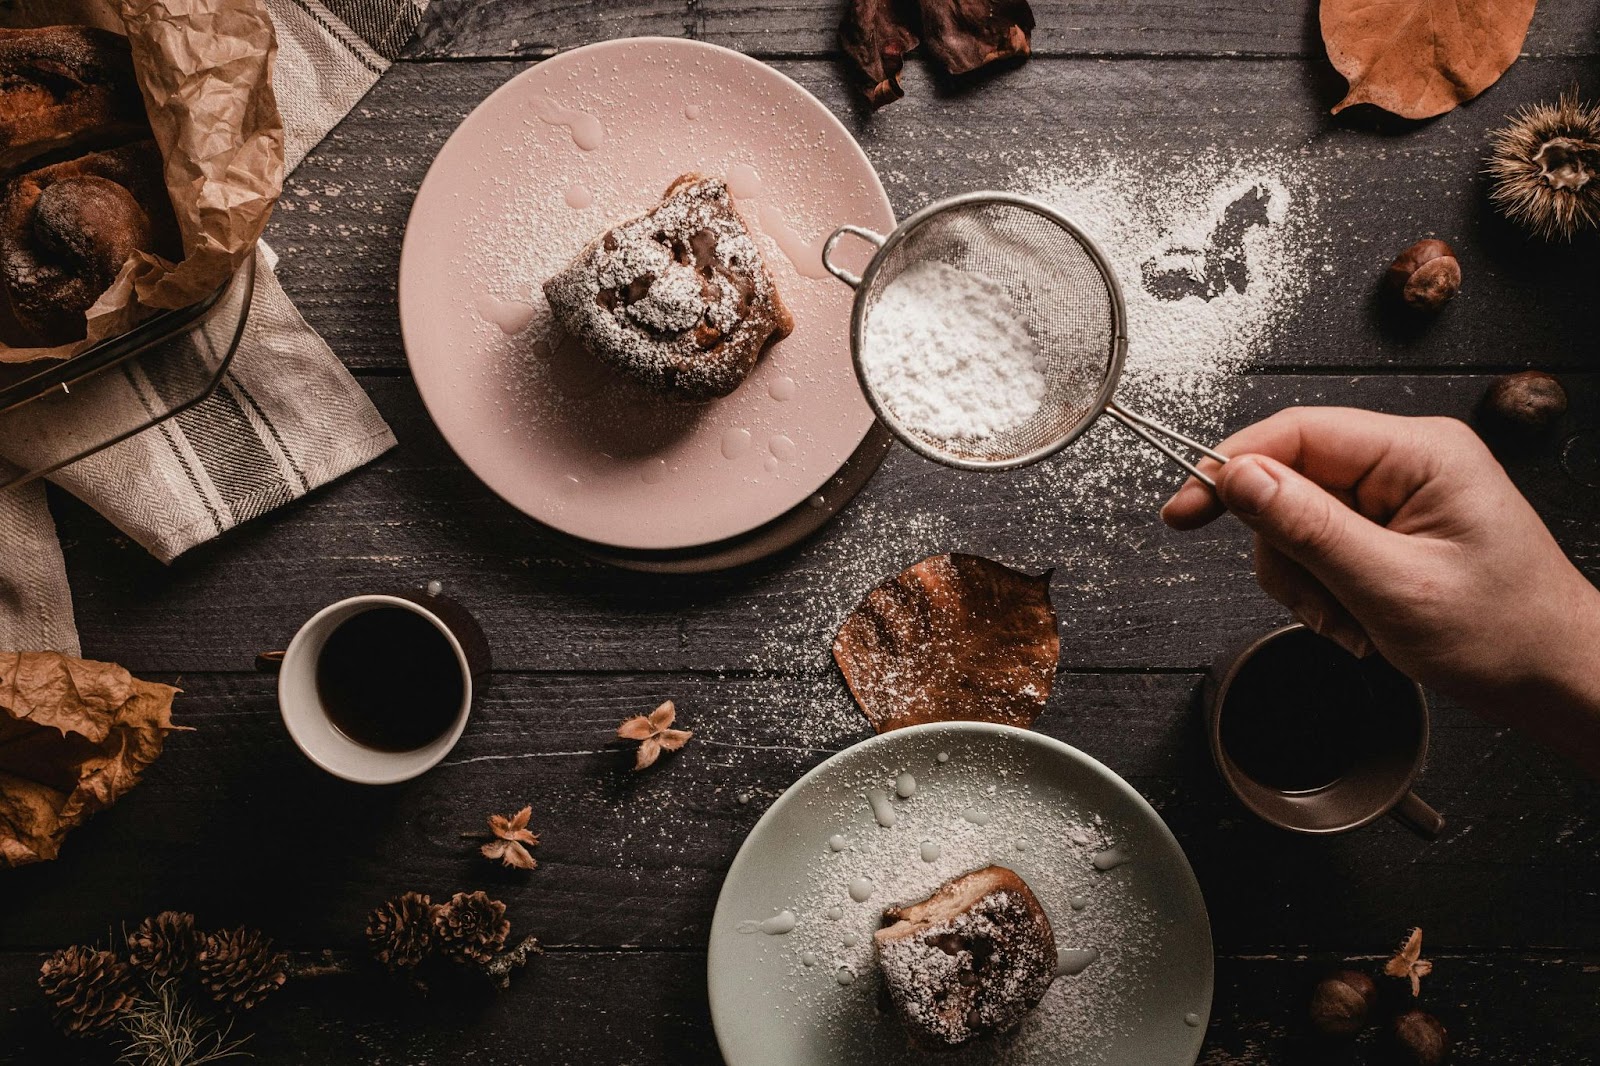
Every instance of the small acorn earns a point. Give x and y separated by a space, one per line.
1530 400
1341 1002
1420 1039
1425 276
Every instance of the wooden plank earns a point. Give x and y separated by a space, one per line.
235 825
1361 197
650 1007
459 29
587 1007
1130 593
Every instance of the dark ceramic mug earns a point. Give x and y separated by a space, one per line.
1381 745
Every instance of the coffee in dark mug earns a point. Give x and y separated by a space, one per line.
1315 740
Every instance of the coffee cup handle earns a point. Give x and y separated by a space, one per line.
1415 814
269 662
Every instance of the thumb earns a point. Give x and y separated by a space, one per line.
1343 550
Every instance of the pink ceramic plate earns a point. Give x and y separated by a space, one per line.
543 165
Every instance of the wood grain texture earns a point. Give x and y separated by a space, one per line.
645 1007
1130 593
457 29
1364 194
234 824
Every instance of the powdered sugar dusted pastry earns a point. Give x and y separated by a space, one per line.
969 960
678 298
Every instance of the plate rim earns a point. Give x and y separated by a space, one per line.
1052 744
407 254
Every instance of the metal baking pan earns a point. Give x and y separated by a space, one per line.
78 406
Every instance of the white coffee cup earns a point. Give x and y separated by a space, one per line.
306 717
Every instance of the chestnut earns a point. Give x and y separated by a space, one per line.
1529 400
1341 1002
1420 1039
1425 276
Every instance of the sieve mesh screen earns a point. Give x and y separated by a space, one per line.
1063 294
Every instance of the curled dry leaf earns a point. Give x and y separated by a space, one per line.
962 35
876 36
512 840
1420 58
956 637
1408 961
654 734
74 736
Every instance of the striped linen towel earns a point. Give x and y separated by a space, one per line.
287 417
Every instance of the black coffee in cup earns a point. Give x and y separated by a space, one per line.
389 678
1302 713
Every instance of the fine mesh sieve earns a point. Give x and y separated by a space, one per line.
1063 288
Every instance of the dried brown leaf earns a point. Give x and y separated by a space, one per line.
961 35
875 36
74 736
964 35
955 637
1420 58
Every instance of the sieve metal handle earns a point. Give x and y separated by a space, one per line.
1148 428
851 279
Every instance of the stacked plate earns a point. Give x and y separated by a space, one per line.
545 164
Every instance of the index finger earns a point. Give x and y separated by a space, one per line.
1339 448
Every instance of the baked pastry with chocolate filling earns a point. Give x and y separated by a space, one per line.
678 299
67 229
970 960
63 87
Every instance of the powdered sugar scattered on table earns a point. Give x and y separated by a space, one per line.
1215 256
947 352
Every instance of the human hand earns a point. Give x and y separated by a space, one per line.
1406 535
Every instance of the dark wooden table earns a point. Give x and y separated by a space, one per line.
234 825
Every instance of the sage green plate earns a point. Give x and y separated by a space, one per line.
978 794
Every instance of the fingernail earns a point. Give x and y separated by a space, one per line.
1247 487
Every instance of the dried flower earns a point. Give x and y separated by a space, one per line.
512 838
1546 168
1408 961
654 734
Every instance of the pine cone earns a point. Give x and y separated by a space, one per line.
88 989
401 931
164 946
239 968
471 927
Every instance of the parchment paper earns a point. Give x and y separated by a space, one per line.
205 71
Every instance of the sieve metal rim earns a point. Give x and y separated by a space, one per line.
908 226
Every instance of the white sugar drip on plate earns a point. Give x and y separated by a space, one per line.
947 352
833 930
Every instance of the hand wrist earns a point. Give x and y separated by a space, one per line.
1558 700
